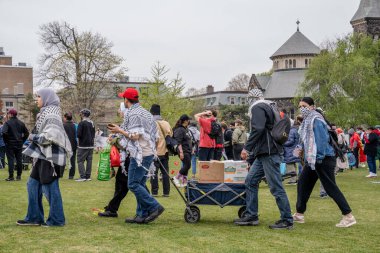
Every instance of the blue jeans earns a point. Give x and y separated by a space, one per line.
268 166
371 160
194 164
137 177
35 209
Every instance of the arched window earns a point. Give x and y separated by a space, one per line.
286 64
306 63
290 64
294 63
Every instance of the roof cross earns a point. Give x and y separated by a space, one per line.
298 25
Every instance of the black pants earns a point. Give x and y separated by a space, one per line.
206 154
165 175
14 153
121 189
229 152
356 154
326 173
218 153
237 151
186 164
72 164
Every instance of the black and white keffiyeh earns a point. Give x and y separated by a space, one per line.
137 120
48 139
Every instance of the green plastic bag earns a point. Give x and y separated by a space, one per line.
104 166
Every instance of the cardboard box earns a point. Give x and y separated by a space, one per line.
235 172
211 172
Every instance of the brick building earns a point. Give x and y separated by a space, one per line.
16 81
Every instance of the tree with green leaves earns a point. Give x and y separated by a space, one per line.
230 113
29 110
345 81
167 93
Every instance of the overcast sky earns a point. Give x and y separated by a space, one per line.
207 41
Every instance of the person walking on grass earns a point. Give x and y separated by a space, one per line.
289 159
71 131
185 147
140 132
239 138
267 163
320 162
50 148
15 134
164 130
86 138
370 149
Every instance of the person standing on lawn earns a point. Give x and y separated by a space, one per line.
206 143
267 163
239 138
370 149
71 131
183 137
164 129
141 135
355 145
86 138
50 148
195 134
15 134
320 162
2 145
227 135
289 146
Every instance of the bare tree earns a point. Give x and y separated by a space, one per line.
81 62
239 82
195 92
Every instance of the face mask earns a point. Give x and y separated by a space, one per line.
305 111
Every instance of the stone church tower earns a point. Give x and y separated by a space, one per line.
367 18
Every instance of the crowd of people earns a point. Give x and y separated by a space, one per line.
146 140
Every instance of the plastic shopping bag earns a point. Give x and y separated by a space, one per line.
104 165
115 157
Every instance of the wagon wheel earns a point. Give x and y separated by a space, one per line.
242 211
192 214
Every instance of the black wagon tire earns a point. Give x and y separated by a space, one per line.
193 215
242 211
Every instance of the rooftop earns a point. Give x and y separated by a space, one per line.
367 9
297 44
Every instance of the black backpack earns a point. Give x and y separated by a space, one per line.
216 130
171 143
281 126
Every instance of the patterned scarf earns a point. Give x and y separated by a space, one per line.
307 136
137 120
50 141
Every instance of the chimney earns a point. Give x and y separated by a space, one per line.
2 51
209 89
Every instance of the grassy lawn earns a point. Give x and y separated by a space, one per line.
85 232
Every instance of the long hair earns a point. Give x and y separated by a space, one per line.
178 124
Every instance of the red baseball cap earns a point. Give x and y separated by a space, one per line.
130 93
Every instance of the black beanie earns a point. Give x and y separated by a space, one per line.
155 109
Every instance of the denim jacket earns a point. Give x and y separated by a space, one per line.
322 140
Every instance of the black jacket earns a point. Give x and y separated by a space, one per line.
86 134
260 141
71 133
15 132
370 148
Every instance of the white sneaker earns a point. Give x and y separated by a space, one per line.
298 218
88 179
177 182
80 180
371 175
346 222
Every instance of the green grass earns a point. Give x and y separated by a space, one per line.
85 232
